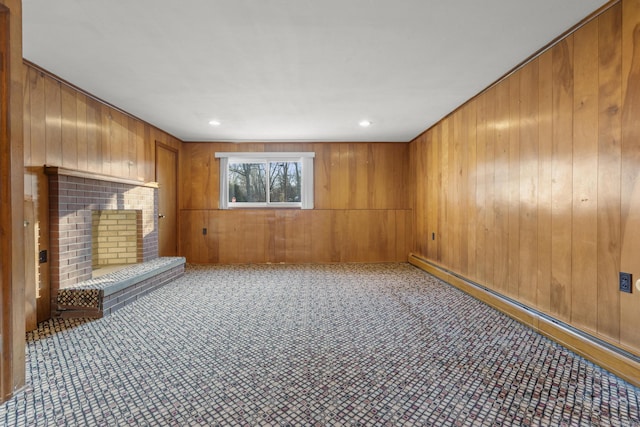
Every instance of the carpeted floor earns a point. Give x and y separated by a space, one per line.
377 345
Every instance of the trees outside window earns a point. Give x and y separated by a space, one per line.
266 180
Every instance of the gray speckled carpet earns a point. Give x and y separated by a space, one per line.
277 345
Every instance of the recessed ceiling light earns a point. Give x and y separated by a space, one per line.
365 123
214 123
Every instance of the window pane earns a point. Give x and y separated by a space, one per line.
247 182
285 182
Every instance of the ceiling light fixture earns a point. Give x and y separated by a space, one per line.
214 123
365 123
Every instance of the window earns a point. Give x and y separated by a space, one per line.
273 180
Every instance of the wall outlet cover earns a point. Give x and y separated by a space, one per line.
625 282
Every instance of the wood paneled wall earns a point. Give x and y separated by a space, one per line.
12 277
362 208
532 188
68 128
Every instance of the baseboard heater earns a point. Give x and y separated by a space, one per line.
614 359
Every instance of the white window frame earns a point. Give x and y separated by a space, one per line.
306 158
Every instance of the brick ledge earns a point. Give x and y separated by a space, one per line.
97 297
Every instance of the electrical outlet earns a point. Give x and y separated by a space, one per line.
625 282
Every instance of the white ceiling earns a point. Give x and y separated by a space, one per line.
290 70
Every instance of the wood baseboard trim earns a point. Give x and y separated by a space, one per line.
579 342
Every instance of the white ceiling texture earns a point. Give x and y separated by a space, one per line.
290 70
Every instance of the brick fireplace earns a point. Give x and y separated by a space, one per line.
74 198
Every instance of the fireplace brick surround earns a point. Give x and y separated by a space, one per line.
73 195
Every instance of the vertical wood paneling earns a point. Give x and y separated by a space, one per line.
489 186
403 233
30 258
422 188
501 189
131 149
340 182
29 179
528 276
443 169
562 179
104 151
433 235
481 179
53 121
453 210
149 153
552 190
321 179
198 190
12 274
609 198
6 213
295 236
69 127
37 119
94 137
360 167
584 290
81 131
117 141
545 152
472 230
461 134
344 227
630 173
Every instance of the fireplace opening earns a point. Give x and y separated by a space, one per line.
116 240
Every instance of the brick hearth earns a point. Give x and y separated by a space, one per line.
72 197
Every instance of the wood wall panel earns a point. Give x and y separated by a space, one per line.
552 182
471 147
609 162
69 127
630 171
501 188
81 131
460 127
53 121
359 216
489 185
422 188
65 127
295 236
480 190
12 274
527 280
545 173
562 178
513 255
584 287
